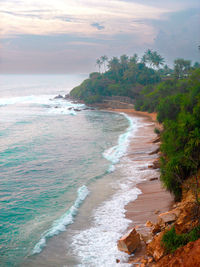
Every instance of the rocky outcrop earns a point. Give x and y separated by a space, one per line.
156 140
155 151
58 97
186 256
184 217
155 164
187 219
169 217
155 248
129 242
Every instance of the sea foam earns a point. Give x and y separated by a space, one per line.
97 246
66 219
114 153
49 103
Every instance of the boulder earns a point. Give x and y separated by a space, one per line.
155 151
153 179
146 237
186 219
149 224
129 242
156 140
156 164
155 248
58 97
168 217
158 227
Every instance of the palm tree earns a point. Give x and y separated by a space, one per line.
103 60
153 58
99 63
134 59
144 59
114 65
157 60
124 62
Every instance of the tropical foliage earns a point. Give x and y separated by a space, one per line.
177 103
121 76
173 93
172 241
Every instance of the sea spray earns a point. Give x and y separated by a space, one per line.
66 219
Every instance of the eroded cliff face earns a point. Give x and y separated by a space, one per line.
186 256
184 216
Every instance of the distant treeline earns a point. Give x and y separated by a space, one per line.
173 93
127 76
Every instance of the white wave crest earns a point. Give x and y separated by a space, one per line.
66 219
114 153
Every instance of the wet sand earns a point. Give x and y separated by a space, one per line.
154 198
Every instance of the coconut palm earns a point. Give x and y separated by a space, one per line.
104 59
114 66
153 58
134 59
124 62
99 63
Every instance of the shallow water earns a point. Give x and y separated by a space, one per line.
61 176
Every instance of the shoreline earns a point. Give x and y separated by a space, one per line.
154 198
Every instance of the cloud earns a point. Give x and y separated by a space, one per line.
97 26
73 16
59 36
179 35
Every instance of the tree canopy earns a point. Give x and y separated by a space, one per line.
173 93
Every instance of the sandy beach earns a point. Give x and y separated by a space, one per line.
154 198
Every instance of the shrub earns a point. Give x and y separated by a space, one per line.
156 131
172 241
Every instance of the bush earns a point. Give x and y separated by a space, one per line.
172 241
156 131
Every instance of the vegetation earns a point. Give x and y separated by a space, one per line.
125 76
177 103
173 93
172 241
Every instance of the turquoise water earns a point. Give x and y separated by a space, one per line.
51 156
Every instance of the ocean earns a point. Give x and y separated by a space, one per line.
65 175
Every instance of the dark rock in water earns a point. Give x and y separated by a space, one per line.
58 97
154 178
70 108
67 96
56 106
77 109
155 151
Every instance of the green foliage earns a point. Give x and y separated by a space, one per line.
176 101
156 131
123 78
168 107
93 99
172 241
181 67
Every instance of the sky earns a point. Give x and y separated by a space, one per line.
67 36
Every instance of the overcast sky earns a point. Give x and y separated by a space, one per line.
67 36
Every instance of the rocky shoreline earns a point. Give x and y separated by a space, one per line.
156 211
